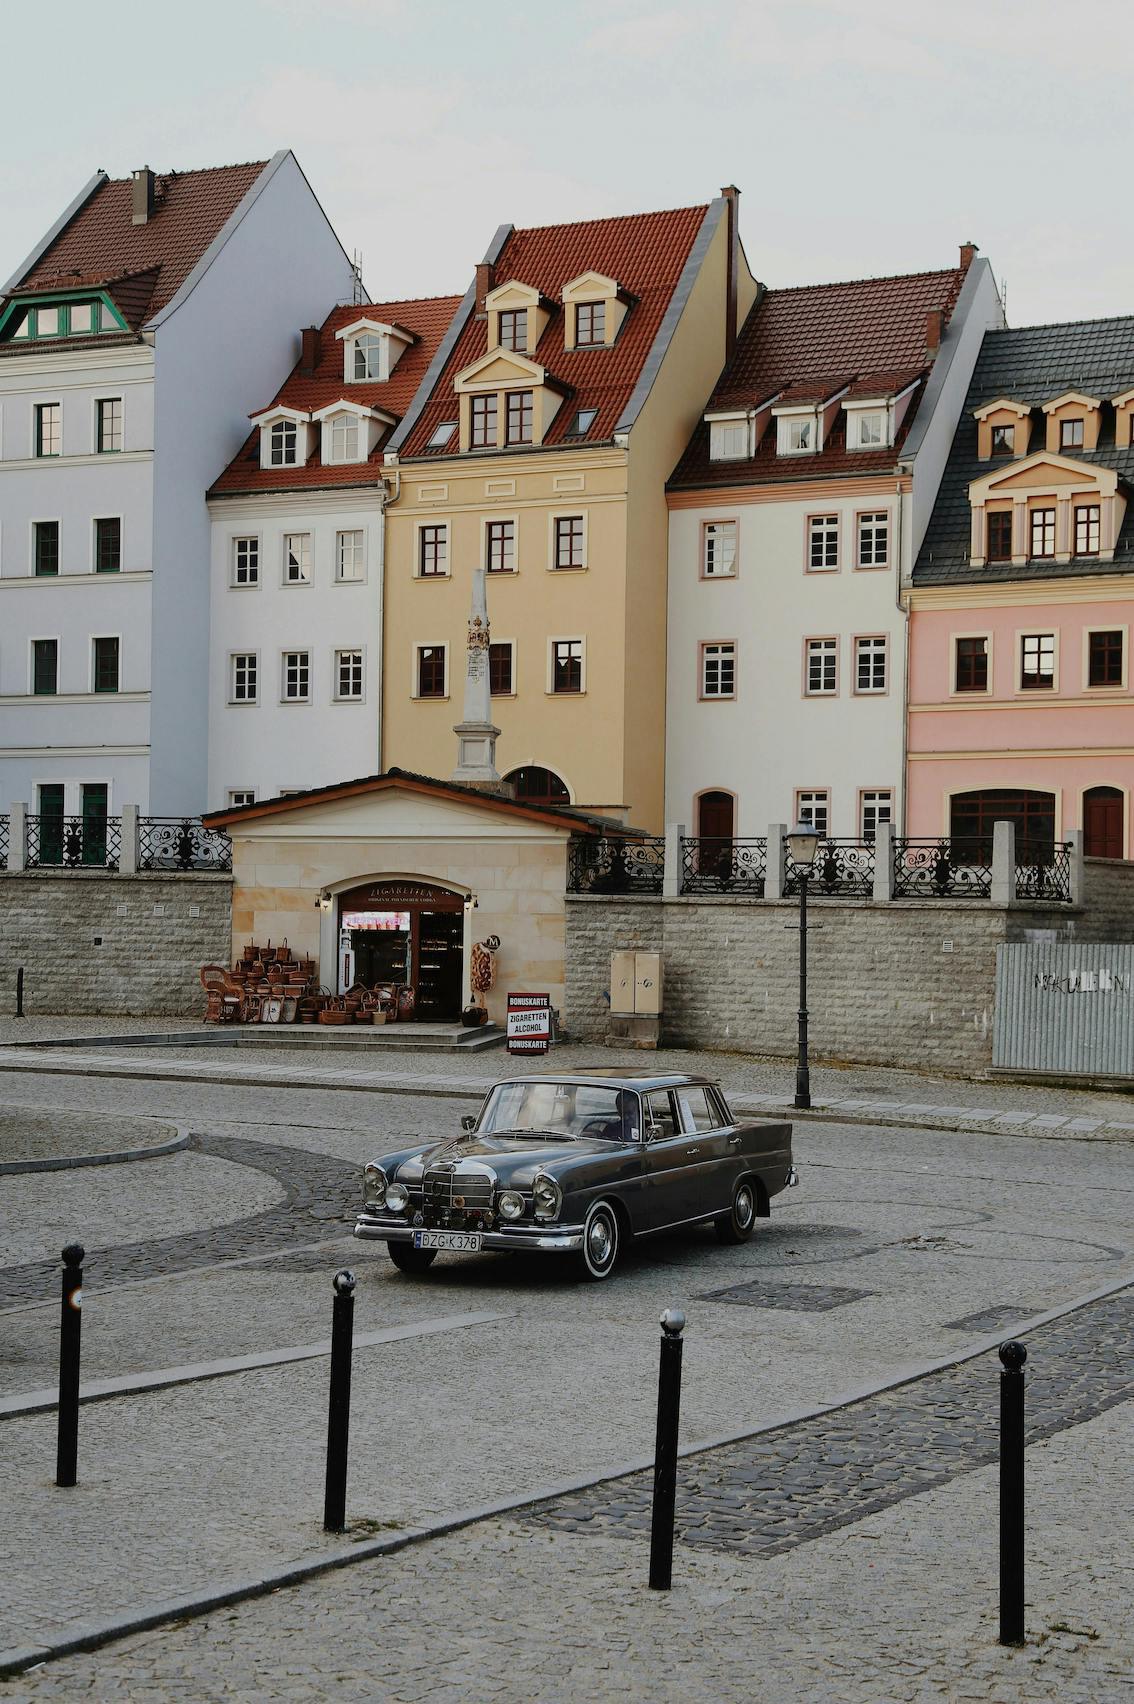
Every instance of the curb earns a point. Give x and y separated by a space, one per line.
15 1168
18 1659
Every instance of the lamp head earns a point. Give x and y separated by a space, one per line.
803 843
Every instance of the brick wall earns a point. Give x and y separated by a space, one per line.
95 944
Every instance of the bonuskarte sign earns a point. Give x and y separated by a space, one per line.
529 1023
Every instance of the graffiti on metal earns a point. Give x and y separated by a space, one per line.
1044 1020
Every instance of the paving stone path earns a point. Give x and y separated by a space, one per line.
322 1194
779 1489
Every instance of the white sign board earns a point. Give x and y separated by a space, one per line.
529 1023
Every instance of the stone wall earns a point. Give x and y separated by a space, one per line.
1108 913
95 944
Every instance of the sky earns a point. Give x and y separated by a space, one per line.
866 136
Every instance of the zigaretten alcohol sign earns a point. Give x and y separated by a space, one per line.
529 1023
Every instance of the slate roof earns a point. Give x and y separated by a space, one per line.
1031 366
428 319
810 342
644 252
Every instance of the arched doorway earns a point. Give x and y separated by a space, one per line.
1103 811
716 821
405 935
972 815
536 786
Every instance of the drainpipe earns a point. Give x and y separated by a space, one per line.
387 500
904 607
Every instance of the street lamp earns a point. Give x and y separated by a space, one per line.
803 843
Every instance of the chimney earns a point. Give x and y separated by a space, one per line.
732 207
968 255
485 281
142 195
934 327
308 350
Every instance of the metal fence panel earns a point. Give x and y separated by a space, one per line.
1067 1009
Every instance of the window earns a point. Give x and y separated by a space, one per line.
48 428
874 807
108 545
697 1111
1003 440
50 822
822 667
822 542
728 440
48 322
82 317
500 547
500 667
441 434
874 539
245 561
297 559
972 815
718 559
1043 532
283 441
870 664
1105 658
590 324
661 1123
344 437
814 807
105 661
567 665
971 663
569 541
45 548
1070 434
514 330
518 421
1000 535
1037 661
433 550
871 432
348 674
536 786
94 803
796 437
243 686
241 796
483 422
367 362
350 559
582 423
296 677
430 671
1087 529
718 670
45 667
108 425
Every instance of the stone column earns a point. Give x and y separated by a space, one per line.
476 732
671 874
1078 872
128 857
777 857
17 837
1003 863
884 862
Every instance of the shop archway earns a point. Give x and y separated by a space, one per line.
409 937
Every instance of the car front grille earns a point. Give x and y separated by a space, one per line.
449 1192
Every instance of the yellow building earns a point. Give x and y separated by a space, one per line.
561 398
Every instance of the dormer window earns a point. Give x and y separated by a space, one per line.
517 317
29 321
1004 428
514 330
795 435
518 419
484 422
349 431
594 307
367 356
283 440
506 400
590 324
728 440
1071 434
1003 440
372 349
283 436
344 437
871 431
1073 420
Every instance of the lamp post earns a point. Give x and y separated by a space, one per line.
803 843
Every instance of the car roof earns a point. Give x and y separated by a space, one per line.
613 1077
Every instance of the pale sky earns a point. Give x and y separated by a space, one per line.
866 136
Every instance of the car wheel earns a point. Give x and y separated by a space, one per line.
736 1225
596 1259
409 1259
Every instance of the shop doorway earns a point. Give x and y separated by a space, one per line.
408 938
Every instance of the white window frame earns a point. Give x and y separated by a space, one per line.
723 650
347 427
826 649
858 418
338 696
566 639
343 533
235 542
380 354
821 525
415 674
787 426
872 645
874 799
283 425
304 577
233 656
238 796
718 532
287 697
872 522
729 440
808 800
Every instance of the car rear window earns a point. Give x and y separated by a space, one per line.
697 1110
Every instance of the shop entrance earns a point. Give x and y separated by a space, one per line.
408 938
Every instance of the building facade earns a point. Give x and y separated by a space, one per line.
795 512
130 340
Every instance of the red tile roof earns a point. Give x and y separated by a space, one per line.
102 244
645 252
869 333
427 319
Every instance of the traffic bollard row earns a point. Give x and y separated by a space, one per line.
665 1451
70 1333
338 1411
1012 1356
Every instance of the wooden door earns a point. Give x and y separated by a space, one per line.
715 818
1102 823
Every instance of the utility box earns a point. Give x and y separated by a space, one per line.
647 984
622 981
635 999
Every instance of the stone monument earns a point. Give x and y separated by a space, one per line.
476 733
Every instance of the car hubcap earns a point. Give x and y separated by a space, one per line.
599 1241
743 1207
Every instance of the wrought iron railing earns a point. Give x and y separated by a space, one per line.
90 842
615 865
4 828
1043 870
843 869
182 843
942 869
716 864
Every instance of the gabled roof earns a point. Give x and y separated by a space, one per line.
645 252
1030 366
307 393
809 342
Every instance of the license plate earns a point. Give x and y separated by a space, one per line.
467 1241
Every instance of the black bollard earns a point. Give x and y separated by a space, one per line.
338 1414
20 992
1012 1355
665 1451
70 1332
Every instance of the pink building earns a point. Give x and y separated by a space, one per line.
1022 598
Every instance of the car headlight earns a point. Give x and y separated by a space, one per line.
548 1196
396 1197
374 1185
510 1204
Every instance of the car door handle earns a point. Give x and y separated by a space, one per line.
691 1151
734 1141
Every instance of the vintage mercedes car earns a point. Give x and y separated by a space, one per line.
578 1163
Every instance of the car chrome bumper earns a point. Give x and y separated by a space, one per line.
562 1240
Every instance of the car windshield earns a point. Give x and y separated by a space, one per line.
566 1111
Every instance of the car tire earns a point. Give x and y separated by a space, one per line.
413 1261
737 1225
602 1236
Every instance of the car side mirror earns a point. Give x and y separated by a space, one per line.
468 1122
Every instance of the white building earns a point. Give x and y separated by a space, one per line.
295 664
130 341
795 515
